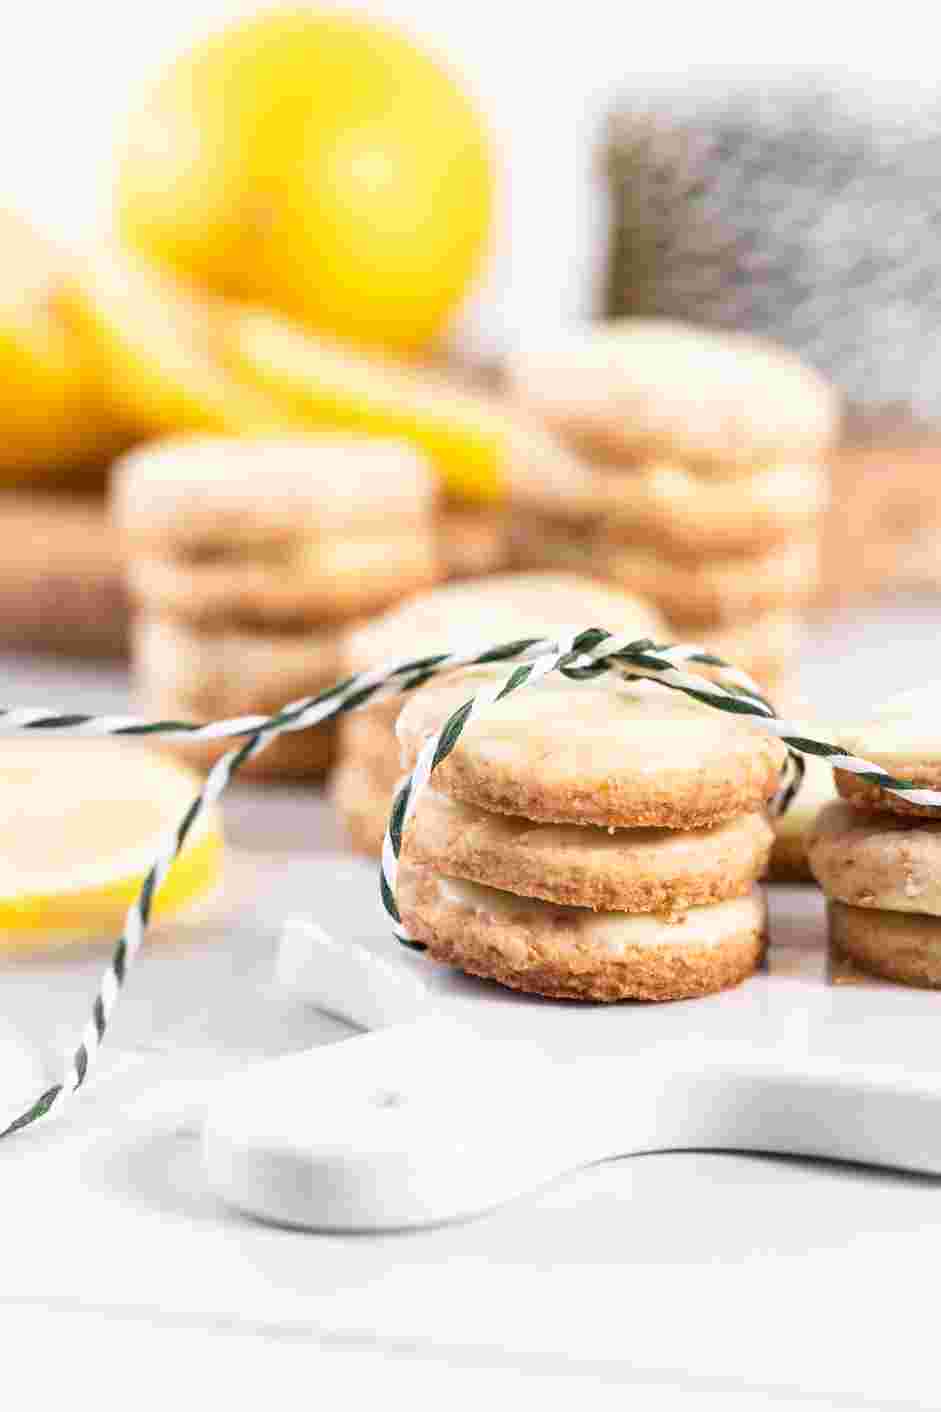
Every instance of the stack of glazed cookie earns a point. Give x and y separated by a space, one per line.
248 558
709 452
591 841
452 617
878 856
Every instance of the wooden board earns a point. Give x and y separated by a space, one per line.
61 576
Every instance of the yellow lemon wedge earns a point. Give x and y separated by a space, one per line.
88 818
153 340
466 435
56 424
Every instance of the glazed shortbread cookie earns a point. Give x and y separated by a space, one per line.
472 614
644 389
879 861
688 515
792 829
193 493
275 530
234 671
614 754
327 580
628 870
706 592
186 674
901 946
467 615
904 737
575 953
709 452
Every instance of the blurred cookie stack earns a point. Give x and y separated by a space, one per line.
708 453
455 617
247 558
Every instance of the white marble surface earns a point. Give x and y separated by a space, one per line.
699 1280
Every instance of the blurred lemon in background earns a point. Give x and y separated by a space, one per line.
175 359
315 163
328 387
52 406
152 340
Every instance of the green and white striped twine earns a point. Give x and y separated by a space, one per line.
578 657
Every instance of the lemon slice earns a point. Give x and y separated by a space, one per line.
55 423
153 341
468 437
87 819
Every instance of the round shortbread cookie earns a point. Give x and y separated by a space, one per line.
470 615
184 674
185 493
318 580
474 613
791 830
691 516
645 388
719 592
230 672
904 737
709 592
363 799
574 953
626 870
881 861
901 946
606 751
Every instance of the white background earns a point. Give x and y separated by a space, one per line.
545 74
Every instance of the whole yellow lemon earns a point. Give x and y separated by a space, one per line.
318 163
